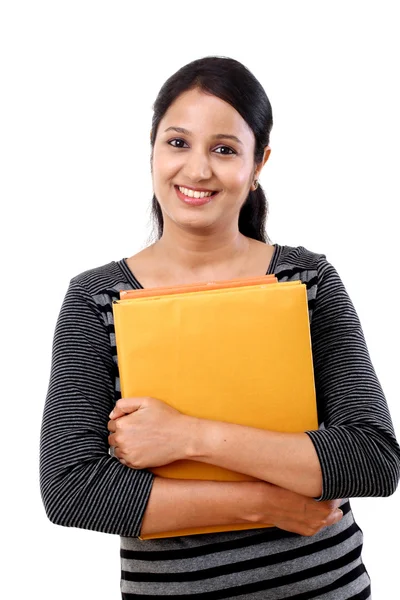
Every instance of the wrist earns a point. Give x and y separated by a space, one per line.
201 435
257 505
194 431
261 505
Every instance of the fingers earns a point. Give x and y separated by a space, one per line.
112 426
338 515
118 454
125 406
334 517
116 413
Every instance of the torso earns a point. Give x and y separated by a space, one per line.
151 272
252 564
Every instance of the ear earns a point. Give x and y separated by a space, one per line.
267 152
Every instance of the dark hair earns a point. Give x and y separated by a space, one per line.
231 81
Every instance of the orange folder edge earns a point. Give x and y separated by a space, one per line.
197 287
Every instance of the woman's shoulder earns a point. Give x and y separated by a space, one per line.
108 276
292 260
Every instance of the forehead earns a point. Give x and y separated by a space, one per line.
202 113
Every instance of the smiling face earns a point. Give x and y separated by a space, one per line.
203 145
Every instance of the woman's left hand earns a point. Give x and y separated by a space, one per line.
146 432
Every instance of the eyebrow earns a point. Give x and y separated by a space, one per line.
218 136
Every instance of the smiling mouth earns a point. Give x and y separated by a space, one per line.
189 193
194 197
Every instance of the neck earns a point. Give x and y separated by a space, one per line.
201 254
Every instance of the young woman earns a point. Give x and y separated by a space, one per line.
210 141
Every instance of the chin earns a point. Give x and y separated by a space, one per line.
193 223
195 218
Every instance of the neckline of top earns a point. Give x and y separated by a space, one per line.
130 276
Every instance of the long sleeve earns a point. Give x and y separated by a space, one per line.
357 448
81 484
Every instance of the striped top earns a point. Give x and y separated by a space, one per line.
83 486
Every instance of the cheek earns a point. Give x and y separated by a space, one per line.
237 179
165 163
235 175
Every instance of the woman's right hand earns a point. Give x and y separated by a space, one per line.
294 512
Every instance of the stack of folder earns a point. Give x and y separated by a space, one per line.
237 351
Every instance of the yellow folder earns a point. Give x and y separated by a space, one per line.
239 354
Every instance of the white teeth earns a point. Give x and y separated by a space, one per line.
193 194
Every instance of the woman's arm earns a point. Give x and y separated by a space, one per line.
154 434
288 460
179 504
81 484
357 448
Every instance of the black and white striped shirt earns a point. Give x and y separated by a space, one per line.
83 486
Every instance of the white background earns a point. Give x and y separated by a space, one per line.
78 82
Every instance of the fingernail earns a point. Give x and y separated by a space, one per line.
111 414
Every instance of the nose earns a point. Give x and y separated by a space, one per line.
197 166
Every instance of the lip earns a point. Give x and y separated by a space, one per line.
194 201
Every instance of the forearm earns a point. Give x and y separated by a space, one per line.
181 504
288 460
176 504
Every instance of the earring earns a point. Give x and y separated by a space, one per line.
255 183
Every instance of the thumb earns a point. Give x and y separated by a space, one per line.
125 406
337 515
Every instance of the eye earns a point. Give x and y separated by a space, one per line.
230 151
178 140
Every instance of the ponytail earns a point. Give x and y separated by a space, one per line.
253 216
